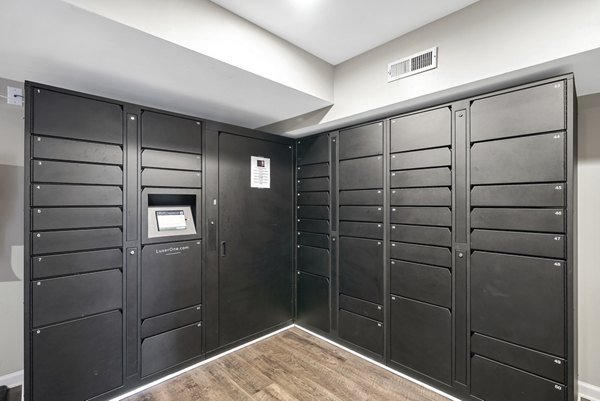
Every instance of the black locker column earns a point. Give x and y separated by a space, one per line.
313 224
519 180
421 243
361 234
75 277
171 273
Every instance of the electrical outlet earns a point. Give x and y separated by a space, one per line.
14 96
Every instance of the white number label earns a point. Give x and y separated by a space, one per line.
556 136
558 213
557 264
558 187
556 238
559 388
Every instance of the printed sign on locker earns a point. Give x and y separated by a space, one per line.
260 172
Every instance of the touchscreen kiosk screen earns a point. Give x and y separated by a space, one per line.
170 220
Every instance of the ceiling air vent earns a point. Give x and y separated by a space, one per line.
422 61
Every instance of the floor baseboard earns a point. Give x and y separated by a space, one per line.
12 379
589 391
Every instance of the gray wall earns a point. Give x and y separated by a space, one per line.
11 199
11 234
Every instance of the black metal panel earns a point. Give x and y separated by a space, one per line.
313 170
441 236
76 173
364 230
76 240
461 315
421 282
539 158
171 160
313 184
132 192
533 244
421 159
536 195
421 338
431 255
361 213
313 226
76 263
171 277
167 132
361 268
76 151
365 173
68 218
528 111
76 195
313 212
364 332
171 178
256 288
171 348
361 141
171 321
313 260
131 311
59 299
313 150
360 307
433 177
421 197
433 216
313 301
309 239
313 198
498 382
372 197
509 302
541 364
71 116
90 354
544 220
428 129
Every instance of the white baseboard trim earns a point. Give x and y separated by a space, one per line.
12 379
182 371
412 379
589 391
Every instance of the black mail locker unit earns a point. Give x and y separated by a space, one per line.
75 280
313 237
521 274
421 242
171 266
361 234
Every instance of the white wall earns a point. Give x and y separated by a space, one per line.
486 39
589 238
11 234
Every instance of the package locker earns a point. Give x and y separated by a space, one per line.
314 232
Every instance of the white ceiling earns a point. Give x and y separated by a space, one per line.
337 30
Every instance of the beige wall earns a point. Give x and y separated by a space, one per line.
589 238
11 234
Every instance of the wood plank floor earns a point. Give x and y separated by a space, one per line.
290 366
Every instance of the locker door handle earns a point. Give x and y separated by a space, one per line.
223 248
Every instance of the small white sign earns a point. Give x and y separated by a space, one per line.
260 172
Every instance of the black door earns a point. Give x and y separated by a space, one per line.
256 234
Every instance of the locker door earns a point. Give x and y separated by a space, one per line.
256 234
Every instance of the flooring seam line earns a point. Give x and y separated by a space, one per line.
187 369
411 379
